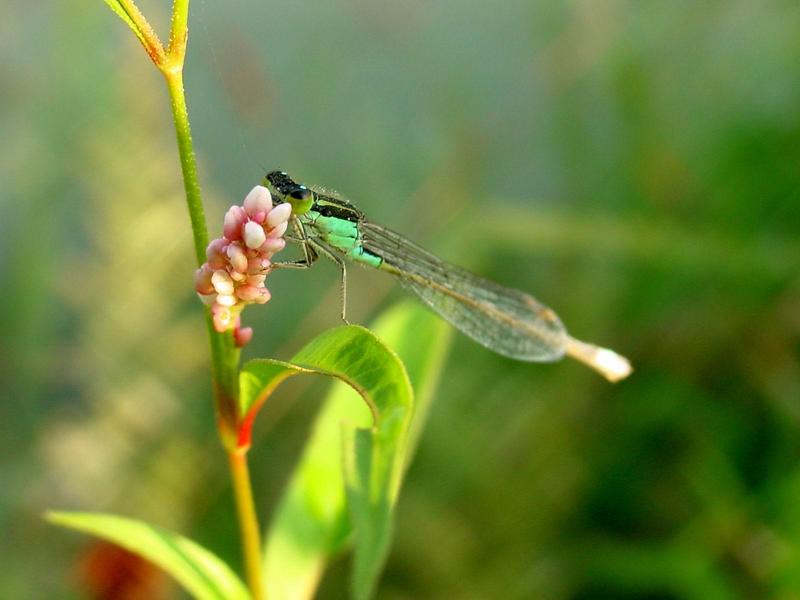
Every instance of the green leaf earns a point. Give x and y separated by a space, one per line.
350 353
200 572
372 477
313 523
123 14
313 520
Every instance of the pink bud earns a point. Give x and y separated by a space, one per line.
256 280
259 217
273 245
264 296
202 280
222 282
242 336
254 234
233 223
248 293
259 200
215 253
257 265
237 257
278 230
279 214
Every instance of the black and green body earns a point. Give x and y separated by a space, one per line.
505 320
326 216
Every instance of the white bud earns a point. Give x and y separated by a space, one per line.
259 200
226 300
254 235
222 282
279 214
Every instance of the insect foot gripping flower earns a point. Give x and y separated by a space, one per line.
238 263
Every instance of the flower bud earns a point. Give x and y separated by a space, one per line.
237 257
258 265
226 300
215 253
256 280
223 317
279 214
258 201
237 264
242 336
202 280
222 282
248 293
264 296
254 235
273 245
234 221
278 230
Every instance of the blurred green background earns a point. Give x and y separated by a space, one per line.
633 164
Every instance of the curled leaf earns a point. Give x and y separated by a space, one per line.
348 478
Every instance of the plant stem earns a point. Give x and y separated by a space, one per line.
180 114
248 522
224 353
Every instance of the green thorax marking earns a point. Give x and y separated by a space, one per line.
335 221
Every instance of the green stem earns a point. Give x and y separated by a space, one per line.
180 114
248 522
224 353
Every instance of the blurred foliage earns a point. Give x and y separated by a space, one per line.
636 165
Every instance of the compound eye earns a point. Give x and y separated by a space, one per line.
301 193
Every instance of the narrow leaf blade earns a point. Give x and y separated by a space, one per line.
122 14
373 462
199 572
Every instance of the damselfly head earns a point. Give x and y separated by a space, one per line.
284 189
279 183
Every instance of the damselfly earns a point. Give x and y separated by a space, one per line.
507 321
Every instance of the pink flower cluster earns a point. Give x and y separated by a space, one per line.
238 263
